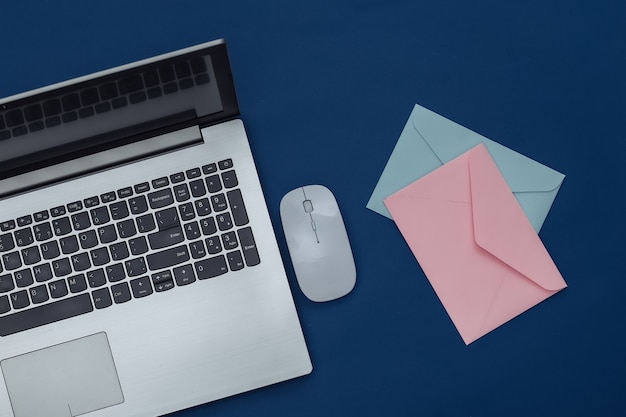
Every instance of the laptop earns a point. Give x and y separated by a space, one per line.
139 270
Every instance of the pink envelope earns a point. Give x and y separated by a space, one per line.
474 243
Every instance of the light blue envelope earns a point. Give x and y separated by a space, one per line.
429 140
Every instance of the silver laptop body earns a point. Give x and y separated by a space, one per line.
140 273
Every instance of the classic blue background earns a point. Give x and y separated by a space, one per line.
325 88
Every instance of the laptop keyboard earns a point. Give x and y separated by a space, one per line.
123 245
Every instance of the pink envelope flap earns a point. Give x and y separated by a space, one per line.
526 253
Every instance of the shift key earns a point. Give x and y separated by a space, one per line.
168 258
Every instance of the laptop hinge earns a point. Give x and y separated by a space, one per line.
99 161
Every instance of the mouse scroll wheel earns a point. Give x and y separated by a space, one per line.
308 206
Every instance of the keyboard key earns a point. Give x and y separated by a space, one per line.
229 240
101 298
146 223
52 107
225 164
138 245
69 245
33 112
160 182
14 118
177 177
183 275
75 206
209 169
136 267
119 210
219 202
19 299
6 283
41 216
88 239
5 306
119 102
42 272
89 96
50 250
100 256
235 260
203 207
107 234
43 231
186 212
161 198
192 231
126 228
100 215
163 281
168 258
213 183
119 251
103 107
224 221
108 197
137 97
197 250
213 245
115 272
24 221
81 221
181 192
91 202
70 102
24 237
168 218
80 262
197 188
248 245
96 278
61 267
212 267
229 179
45 314
138 204
142 188
77 283
208 226
12 261
141 287
61 226
23 278
165 238
108 91
58 288
8 225
193 173
6 242
121 293
31 255
238 209
130 84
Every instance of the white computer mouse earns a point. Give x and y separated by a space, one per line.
318 243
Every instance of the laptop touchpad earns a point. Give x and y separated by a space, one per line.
64 380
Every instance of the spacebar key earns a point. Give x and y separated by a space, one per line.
45 314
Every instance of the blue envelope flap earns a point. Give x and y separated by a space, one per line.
448 140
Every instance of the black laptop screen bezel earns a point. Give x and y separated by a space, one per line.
136 132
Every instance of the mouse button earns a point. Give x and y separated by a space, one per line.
308 206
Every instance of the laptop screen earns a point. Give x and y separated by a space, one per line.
116 107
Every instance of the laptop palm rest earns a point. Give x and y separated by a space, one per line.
69 379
